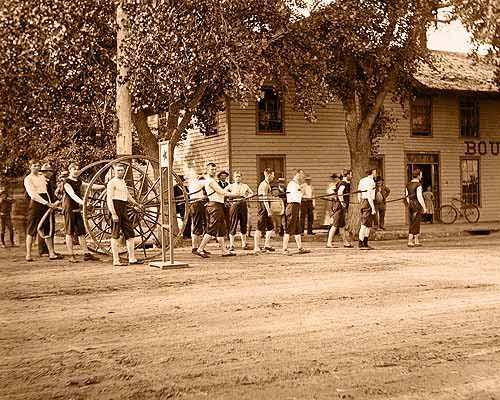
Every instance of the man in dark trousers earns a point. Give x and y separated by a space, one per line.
307 206
48 172
223 183
6 202
381 195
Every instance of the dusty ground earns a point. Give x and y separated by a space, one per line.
342 324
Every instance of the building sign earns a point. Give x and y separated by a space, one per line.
481 148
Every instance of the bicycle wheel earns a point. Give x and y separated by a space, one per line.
447 214
471 213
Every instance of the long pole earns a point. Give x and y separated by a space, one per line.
162 209
123 102
171 212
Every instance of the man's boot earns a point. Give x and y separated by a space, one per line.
366 245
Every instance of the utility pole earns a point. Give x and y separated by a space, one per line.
123 102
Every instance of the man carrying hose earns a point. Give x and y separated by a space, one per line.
36 187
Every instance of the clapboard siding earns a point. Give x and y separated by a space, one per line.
319 148
445 141
193 153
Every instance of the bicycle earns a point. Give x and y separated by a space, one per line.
449 213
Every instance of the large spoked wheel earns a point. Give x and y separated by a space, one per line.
471 213
447 214
143 182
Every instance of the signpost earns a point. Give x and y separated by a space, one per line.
166 163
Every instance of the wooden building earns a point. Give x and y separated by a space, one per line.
451 131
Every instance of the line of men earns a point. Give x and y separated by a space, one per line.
371 195
212 213
214 216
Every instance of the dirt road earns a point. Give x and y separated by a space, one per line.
394 323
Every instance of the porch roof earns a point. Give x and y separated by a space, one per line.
458 72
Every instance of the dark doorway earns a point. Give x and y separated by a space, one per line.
428 164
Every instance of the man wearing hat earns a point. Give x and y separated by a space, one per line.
36 187
48 172
366 197
307 206
6 215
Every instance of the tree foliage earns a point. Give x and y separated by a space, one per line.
58 72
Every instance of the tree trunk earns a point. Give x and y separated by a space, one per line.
359 148
148 141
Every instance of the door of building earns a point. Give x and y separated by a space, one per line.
428 163
277 163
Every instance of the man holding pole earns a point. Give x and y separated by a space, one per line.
366 197
216 226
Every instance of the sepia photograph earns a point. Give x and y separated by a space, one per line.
250 199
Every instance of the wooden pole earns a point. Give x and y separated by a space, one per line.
123 101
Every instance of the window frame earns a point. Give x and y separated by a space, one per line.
478 116
431 114
479 193
257 114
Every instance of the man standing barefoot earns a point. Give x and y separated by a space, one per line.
118 198
366 197
264 213
294 199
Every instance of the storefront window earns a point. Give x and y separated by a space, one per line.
421 112
469 118
270 112
470 181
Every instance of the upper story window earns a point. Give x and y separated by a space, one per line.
421 116
270 112
469 118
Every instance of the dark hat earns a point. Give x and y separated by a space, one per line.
222 173
334 176
308 178
46 167
379 179
346 171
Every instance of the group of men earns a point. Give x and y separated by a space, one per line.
210 220
211 217
45 198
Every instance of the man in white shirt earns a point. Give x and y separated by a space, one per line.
36 187
366 197
294 199
73 220
216 226
307 206
238 212
117 199
264 214
197 210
